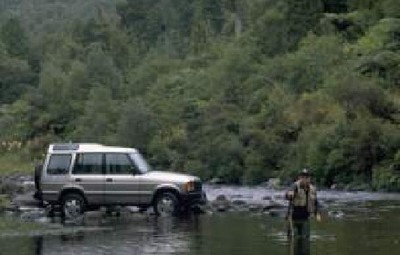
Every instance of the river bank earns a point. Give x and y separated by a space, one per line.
16 183
17 190
19 182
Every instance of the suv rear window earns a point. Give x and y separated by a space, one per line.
88 163
59 164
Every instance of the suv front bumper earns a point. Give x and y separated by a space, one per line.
194 199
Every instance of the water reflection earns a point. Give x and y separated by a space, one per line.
38 244
129 235
299 245
220 233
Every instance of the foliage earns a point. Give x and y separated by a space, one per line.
240 89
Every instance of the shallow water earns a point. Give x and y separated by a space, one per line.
367 224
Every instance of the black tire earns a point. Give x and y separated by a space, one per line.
38 177
72 206
51 212
166 204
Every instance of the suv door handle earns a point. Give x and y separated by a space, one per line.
78 179
109 179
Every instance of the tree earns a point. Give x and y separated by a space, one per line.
335 6
391 8
96 124
306 69
302 16
270 31
136 125
16 77
356 94
14 38
102 71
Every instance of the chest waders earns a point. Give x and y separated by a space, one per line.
300 207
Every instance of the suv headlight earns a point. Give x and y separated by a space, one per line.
189 186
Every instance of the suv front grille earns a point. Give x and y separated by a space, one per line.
197 186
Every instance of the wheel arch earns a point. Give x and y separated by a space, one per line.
71 190
166 188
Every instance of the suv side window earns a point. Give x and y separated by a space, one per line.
88 163
119 163
59 164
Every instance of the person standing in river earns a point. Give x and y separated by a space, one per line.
303 203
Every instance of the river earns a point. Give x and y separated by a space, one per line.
354 223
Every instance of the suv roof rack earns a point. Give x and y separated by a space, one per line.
65 146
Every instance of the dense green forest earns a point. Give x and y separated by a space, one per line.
244 90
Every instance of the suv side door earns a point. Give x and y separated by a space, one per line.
88 174
122 184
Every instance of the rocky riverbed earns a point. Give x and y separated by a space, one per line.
13 186
17 197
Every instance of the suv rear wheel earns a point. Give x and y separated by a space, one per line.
166 204
73 206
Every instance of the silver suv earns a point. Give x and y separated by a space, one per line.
81 177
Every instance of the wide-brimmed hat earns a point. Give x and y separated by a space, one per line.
304 173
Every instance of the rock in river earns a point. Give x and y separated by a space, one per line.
221 203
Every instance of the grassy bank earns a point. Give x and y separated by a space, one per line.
11 163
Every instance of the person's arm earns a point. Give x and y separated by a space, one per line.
317 208
289 195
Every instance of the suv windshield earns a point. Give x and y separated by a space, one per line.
140 162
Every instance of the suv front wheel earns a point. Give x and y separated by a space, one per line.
166 204
73 206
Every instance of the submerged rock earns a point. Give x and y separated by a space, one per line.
222 208
274 205
32 214
132 209
272 183
336 214
246 203
15 184
216 180
239 203
255 208
4 202
26 199
10 188
268 197
221 198
221 203
277 213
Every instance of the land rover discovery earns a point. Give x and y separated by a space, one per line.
80 177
